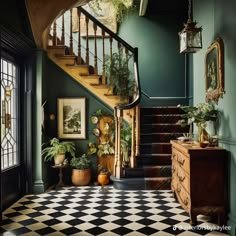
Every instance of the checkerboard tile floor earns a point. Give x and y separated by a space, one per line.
87 211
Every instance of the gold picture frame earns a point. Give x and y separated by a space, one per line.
214 70
71 118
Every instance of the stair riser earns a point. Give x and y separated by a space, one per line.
153 161
155 149
154 119
161 110
143 184
160 138
163 128
164 171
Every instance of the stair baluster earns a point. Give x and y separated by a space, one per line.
103 58
87 41
63 30
95 49
71 35
79 61
111 40
54 34
118 114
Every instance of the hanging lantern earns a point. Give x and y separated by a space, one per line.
191 36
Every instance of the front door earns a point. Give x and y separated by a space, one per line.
11 176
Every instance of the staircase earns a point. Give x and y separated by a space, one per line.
151 169
153 165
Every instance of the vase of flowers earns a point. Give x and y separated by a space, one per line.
200 115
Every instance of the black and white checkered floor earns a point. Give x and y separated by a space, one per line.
87 211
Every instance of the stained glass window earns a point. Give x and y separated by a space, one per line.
9 118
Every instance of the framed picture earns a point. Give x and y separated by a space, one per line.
214 71
71 118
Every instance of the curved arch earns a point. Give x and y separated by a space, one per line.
43 12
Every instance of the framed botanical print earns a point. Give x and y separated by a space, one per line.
214 70
71 118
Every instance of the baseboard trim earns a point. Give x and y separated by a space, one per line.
232 223
38 187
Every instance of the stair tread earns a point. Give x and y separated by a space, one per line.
57 46
65 56
161 124
167 143
164 133
153 154
148 167
74 66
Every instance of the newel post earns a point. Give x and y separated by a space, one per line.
118 162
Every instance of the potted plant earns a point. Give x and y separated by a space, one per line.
119 75
81 170
57 151
199 114
103 177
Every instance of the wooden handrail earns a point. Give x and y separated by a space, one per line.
115 36
136 101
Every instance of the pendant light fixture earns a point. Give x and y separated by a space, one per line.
190 37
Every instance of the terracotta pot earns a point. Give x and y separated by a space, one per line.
103 178
81 177
58 159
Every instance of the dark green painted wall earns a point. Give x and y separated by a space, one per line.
58 84
162 68
217 18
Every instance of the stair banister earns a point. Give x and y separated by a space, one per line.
118 110
133 106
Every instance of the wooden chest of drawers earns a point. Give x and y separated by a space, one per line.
199 179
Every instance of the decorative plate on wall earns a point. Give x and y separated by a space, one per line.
94 119
96 132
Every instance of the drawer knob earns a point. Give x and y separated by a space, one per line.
185 201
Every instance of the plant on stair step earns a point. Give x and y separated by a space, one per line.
119 75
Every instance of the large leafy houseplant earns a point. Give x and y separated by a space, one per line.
119 75
57 148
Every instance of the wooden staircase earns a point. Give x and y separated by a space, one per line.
81 73
153 165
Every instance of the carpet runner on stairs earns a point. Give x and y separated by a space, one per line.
153 165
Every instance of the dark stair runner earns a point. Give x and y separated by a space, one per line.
153 171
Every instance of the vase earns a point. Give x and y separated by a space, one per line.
202 134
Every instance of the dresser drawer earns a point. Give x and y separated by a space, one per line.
180 175
181 159
183 197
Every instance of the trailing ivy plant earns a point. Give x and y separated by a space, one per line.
121 7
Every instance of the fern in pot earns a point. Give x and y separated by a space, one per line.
56 151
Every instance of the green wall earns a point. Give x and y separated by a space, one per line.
161 67
58 84
217 18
